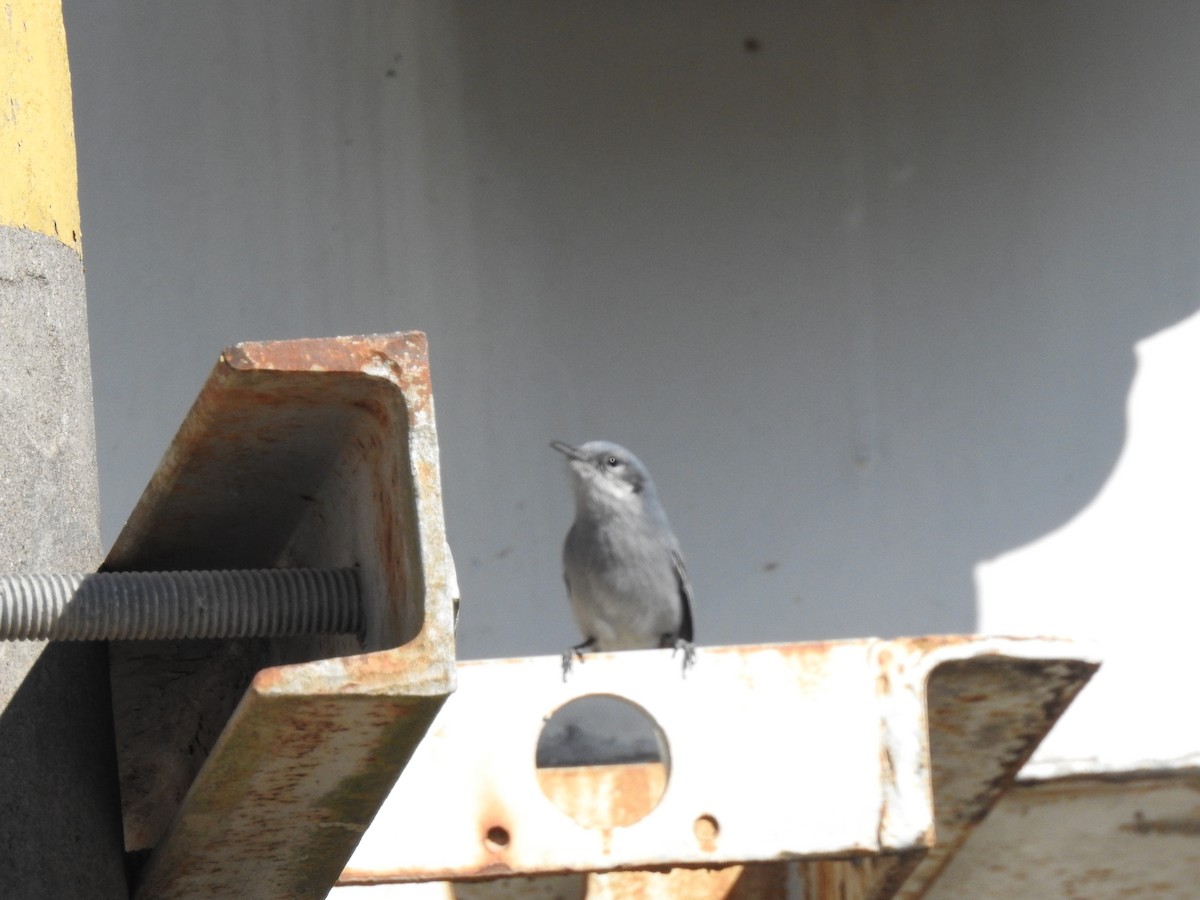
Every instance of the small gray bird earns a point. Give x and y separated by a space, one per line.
624 572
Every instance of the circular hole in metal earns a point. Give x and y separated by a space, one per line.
706 829
603 761
497 837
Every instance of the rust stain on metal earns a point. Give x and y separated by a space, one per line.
605 796
908 731
706 830
1185 825
1072 833
873 878
732 882
987 716
311 452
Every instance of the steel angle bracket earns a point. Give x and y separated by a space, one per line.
779 753
251 768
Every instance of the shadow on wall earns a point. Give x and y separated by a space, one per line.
62 712
1123 574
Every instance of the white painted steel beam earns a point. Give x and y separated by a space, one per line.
779 752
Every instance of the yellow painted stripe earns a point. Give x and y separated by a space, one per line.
39 186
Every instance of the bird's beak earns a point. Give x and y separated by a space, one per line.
566 450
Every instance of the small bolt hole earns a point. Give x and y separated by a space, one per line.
497 838
706 830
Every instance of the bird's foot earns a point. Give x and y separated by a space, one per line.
568 661
689 653
573 653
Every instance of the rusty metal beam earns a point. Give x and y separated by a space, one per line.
817 753
1109 836
252 767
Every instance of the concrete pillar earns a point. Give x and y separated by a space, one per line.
60 827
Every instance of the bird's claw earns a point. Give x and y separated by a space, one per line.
568 660
689 653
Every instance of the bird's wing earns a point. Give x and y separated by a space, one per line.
685 596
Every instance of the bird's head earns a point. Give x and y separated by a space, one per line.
605 473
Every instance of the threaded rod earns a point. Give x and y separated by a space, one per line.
110 606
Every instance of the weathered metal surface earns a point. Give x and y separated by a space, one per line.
763 881
869 878
637 786
987 714
478 763
317 453
756 881
785 752
621 795
604 796
1102 838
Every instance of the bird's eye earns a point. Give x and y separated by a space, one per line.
612 462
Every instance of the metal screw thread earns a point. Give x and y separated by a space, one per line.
107 606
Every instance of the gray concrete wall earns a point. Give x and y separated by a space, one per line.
60 812
861 282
